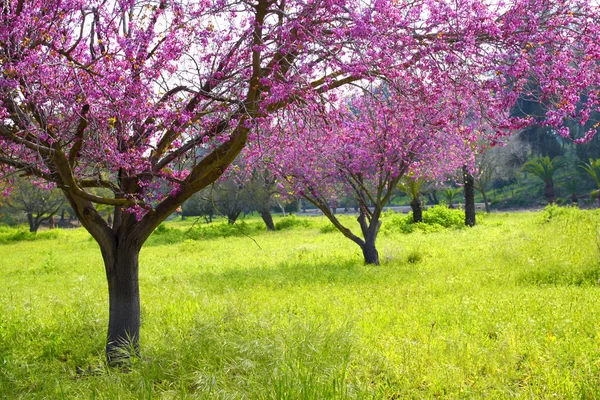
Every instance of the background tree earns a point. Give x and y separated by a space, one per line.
413 188
544 168
39 205
199 205
482 180
449 195
261 187
572 187
365 146
592 167
228 199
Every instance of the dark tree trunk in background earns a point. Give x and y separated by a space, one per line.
31 222
485 201
232 217
267 218
432 197
417 209
121 263
549 193
469 197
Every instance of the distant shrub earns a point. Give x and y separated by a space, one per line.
553 211
8 234
291 222
162 229
435 219
414 257
328 228
444 216
398 223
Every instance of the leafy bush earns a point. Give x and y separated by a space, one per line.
435 219
291 222
444 216
398 222
553 211
328 228
414 257
8 234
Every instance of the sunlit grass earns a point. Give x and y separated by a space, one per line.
506 309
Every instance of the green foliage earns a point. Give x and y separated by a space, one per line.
16 234
435 219
291 221
553 211
545 168
444 216
169 235
412 187
414 257
504 310
450 194
593 169
328 228
393 222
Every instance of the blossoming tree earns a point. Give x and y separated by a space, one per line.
363 147
134 96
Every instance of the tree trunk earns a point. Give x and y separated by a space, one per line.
486 202
232 217
369 230
469 197
417 210
268 219
31 221
370 253
549 193
121 263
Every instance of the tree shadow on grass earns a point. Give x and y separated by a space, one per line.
313 271
554 275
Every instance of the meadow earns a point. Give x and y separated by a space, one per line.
509 308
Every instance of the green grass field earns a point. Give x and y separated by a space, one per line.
510 308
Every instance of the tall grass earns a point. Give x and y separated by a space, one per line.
506 309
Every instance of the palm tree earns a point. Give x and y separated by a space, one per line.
545 168
593 168
449 195
413 188
572 187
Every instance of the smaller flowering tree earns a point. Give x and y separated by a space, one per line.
364 146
